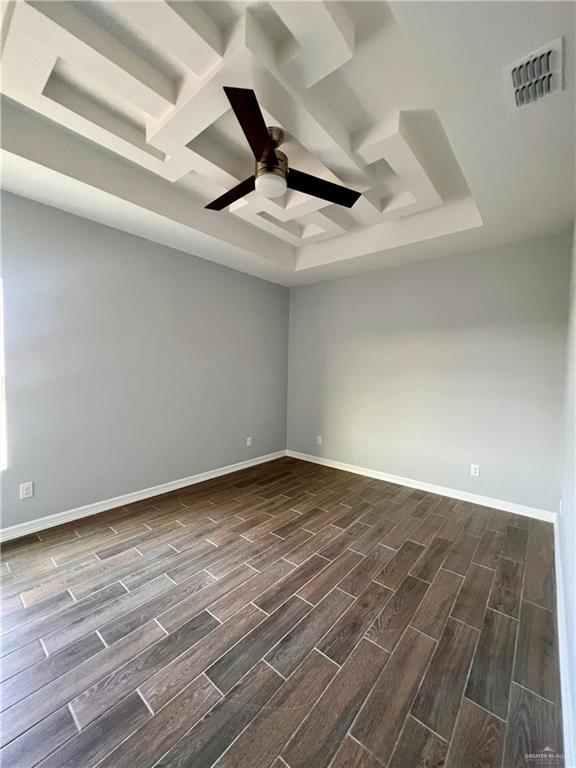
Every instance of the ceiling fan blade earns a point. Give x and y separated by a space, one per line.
249 115
325 190
240 190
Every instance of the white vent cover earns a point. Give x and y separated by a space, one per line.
536 75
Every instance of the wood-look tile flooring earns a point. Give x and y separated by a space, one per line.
287 615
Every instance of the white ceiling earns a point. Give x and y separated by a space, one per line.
115 111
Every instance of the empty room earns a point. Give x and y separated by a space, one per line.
287 390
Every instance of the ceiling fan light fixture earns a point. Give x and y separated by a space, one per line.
271 184
272 177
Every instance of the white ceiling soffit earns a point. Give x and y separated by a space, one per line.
115 111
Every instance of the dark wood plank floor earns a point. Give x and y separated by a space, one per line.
287 615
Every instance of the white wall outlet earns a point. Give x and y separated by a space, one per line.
318 439
475 470
26 490
249 442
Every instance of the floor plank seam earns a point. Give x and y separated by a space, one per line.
424 633
481 565
326 657
534 693
514 656
537 605
273 668
372 687
41 641
213 616
146 704
311 708
266 614
301 598
414 697
341 589
161 627
472 658
460 621
507 615
428 728
376 758
74 718
369 640
492 714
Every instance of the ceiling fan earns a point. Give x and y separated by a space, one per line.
272 176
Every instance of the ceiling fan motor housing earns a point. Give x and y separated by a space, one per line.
267 164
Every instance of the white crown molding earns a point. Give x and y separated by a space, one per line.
453 493
42 523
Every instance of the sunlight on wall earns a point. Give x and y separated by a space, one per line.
3 441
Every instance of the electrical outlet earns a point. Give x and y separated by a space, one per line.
26 490
475 470
249 442
318 439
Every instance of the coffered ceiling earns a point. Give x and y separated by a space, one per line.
116 111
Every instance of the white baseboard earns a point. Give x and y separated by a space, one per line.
453 493
42 523
568 703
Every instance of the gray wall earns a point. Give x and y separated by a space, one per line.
129 364
421 370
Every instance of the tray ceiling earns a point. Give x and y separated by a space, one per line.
115 111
